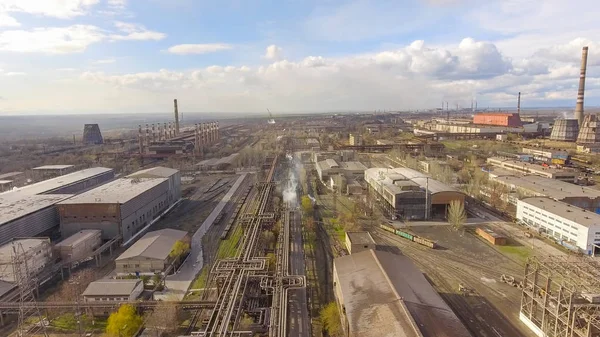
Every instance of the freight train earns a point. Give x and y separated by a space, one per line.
411 237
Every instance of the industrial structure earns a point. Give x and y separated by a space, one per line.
35 253
565 130
151 254
356 242
123 207
79 245
92 135
589 130
498 119
383 294
114 290
560 296
566 175
51 171
579 107
355 139
572 226
535 186
410 194
30 211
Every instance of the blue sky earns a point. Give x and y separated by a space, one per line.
65 56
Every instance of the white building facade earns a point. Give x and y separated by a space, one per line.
571 226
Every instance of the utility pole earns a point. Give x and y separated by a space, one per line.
426 198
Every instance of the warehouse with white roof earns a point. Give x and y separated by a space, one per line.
123 207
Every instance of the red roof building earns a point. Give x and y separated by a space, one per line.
498 118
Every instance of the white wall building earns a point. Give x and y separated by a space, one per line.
37 253
573 226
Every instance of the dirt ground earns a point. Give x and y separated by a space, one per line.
492 307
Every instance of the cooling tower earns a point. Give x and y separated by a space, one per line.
92 134
589 132
565 130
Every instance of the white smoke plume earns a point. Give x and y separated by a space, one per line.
290 195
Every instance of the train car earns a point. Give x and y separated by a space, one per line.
425 242
387 228
404 235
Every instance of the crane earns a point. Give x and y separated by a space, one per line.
271 119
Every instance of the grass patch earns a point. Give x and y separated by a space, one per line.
229 246
200 281
68 322
519 252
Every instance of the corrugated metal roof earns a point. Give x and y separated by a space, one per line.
385 295
13 206
156 172
9 175
64 180
115 192
76 238
110 287
53 167
154 245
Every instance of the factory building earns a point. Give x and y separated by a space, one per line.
123 207
383 294
572 226
30 211
355 139
79 245
530 168
536 186
331 167
34 254
224 163
151 253
401 193
557 157
51 171
115 290
499 119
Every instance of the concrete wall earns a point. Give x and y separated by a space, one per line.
141 265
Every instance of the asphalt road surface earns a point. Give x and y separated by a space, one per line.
298 319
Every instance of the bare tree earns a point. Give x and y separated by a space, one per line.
456 214
164 318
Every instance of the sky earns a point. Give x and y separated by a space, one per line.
136 56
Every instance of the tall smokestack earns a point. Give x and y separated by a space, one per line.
519 104
176 118
581 91
153 134
140 140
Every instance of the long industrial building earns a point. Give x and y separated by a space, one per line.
123 207
34 254
536 186
523 167
574 227
30 211
381 294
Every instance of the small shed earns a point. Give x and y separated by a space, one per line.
359 241
491 236
113 290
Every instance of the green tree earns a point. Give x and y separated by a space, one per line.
330 318
124 323
145 279
306 205
179 248
271 261
269 238
456 214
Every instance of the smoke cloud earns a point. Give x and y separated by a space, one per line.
290 194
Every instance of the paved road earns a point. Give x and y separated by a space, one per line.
179 283
298 318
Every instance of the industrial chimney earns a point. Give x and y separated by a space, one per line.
176 118
581 91
519 104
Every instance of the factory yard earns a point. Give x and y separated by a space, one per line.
490 307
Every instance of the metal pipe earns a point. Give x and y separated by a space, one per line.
581 90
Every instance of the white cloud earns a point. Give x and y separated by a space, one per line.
273 52
134 31
62 9
105 61
185 49
71 39
8 21
119 4
15 73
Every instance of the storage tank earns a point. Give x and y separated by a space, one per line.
79 245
